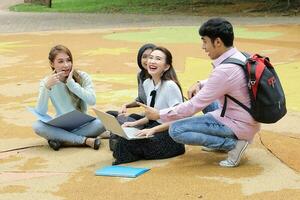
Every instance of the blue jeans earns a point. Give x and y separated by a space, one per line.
203 130
76 137
211 107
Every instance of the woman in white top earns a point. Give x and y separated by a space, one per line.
68 89
162 90
142 75
121 115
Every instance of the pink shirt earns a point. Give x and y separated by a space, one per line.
224 79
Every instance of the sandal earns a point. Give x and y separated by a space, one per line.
97 143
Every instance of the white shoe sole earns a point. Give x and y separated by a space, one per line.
230 163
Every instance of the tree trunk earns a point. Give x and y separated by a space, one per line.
288 4
48 3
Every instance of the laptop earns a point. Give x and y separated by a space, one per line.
111 124
69 121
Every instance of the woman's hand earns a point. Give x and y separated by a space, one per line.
123 109
129 124
70 76
148 132
53 79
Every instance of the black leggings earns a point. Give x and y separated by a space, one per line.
158 147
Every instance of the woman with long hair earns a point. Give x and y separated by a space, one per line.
162 90
142 75
122 116
68 89
142 59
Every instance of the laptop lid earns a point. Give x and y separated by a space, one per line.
111 124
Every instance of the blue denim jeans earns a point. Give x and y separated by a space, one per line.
203 130
76 137
211 107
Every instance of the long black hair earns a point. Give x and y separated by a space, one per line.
144 73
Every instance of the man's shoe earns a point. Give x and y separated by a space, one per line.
235 155
54 144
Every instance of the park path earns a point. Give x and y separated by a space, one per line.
18 22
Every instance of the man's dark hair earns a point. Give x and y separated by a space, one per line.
218 28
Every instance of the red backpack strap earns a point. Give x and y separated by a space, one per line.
255 67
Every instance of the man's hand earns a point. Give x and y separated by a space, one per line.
193 90
151 113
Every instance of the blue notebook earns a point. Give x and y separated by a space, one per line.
122 171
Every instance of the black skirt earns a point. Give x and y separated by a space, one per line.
158 147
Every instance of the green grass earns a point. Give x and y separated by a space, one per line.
112 6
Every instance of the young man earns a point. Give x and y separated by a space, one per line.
236 129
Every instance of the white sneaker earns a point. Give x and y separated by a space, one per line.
235 155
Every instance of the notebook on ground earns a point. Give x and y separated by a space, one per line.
111 124
68 121
121 171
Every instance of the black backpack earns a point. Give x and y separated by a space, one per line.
265 91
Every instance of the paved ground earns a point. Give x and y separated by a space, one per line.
269 170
